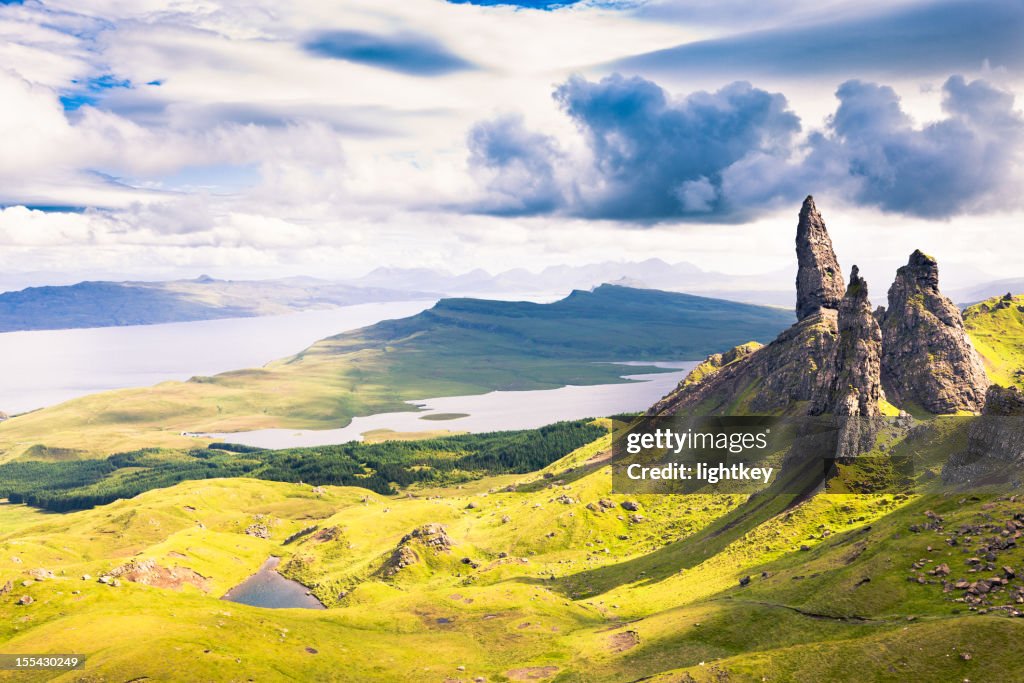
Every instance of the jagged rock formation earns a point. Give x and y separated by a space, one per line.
855 387
819 281
839 355
855 373
927 358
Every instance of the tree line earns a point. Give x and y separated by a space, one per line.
384 467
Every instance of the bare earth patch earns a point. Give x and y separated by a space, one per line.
531 673
620 642
149 573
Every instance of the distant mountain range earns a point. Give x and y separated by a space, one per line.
111 304
976 293
108 304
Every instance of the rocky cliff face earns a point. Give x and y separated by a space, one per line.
927 358
854 374
995 442
782 378
819 281
1004 402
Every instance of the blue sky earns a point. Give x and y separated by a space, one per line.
268 139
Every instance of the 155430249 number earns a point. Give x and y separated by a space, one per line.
34 662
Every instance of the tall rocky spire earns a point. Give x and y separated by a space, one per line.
819 282
856 386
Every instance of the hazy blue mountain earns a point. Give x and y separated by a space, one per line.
110 304
987 290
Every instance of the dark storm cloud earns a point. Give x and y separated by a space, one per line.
407 53
970 157
732 154
940 37
652 157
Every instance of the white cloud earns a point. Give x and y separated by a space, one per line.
237 151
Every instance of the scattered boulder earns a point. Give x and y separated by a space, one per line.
7 588
25 600
331 533
630 505
745 581
258 530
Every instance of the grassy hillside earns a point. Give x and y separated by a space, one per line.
110 304
996 327
461 346
540 581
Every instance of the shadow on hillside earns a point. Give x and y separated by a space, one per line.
686 553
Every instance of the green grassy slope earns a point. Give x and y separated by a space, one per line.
996 327
557 586
461 346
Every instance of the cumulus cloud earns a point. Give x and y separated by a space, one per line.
969 160
737 152
650 157
517 166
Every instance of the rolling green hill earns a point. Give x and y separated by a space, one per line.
458 347
542 577
996 327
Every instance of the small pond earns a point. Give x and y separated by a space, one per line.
267 588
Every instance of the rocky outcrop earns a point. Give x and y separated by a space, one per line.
854 375
995 442
1004 401
794 374
927 358
819 281
782 378
429 537
840 354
